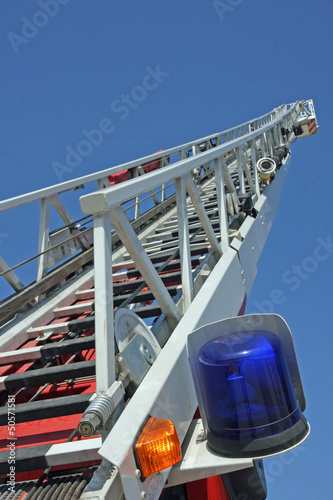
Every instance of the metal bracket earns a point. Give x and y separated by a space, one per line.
198 462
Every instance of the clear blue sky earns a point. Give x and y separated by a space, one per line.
216 67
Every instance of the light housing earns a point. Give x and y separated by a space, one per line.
157 446
248 385
266 168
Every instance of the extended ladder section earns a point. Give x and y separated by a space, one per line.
96 343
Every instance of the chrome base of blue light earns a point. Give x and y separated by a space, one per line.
260 447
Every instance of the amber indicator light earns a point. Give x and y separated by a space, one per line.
157 447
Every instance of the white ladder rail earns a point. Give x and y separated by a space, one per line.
52 193
235 269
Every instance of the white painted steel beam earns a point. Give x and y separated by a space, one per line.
20 355
248 173
201 212
240 171
263 145
10 276
75 309
221 203
270 142
153 195
184 243
66 217
144 264
73 452
43 238
227 177
254 156
104 325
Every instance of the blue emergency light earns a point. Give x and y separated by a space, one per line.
248 386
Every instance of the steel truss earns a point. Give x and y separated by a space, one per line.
179 247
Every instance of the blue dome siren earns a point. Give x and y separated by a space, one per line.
248 385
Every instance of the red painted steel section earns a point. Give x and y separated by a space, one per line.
211 488
50 430
125 175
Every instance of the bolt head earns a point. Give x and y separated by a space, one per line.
138 473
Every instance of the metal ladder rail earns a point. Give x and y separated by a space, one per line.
75 403
106 202
50 196
63 311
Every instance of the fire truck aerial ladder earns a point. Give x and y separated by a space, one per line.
99 385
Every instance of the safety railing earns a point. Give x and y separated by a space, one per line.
225 165
233 164
57 245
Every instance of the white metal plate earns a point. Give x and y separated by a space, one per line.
198 462
127 325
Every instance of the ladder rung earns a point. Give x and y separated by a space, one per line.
49 351
41 376
142 296
77 325
133 284
54 328
47 408
74 309
26 459
21 355
86 294
199 249
148 311
169 247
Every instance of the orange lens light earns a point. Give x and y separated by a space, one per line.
157 447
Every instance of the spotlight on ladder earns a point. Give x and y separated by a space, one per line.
266 168
248 386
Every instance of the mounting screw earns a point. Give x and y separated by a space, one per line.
143 494
148 353
138 473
